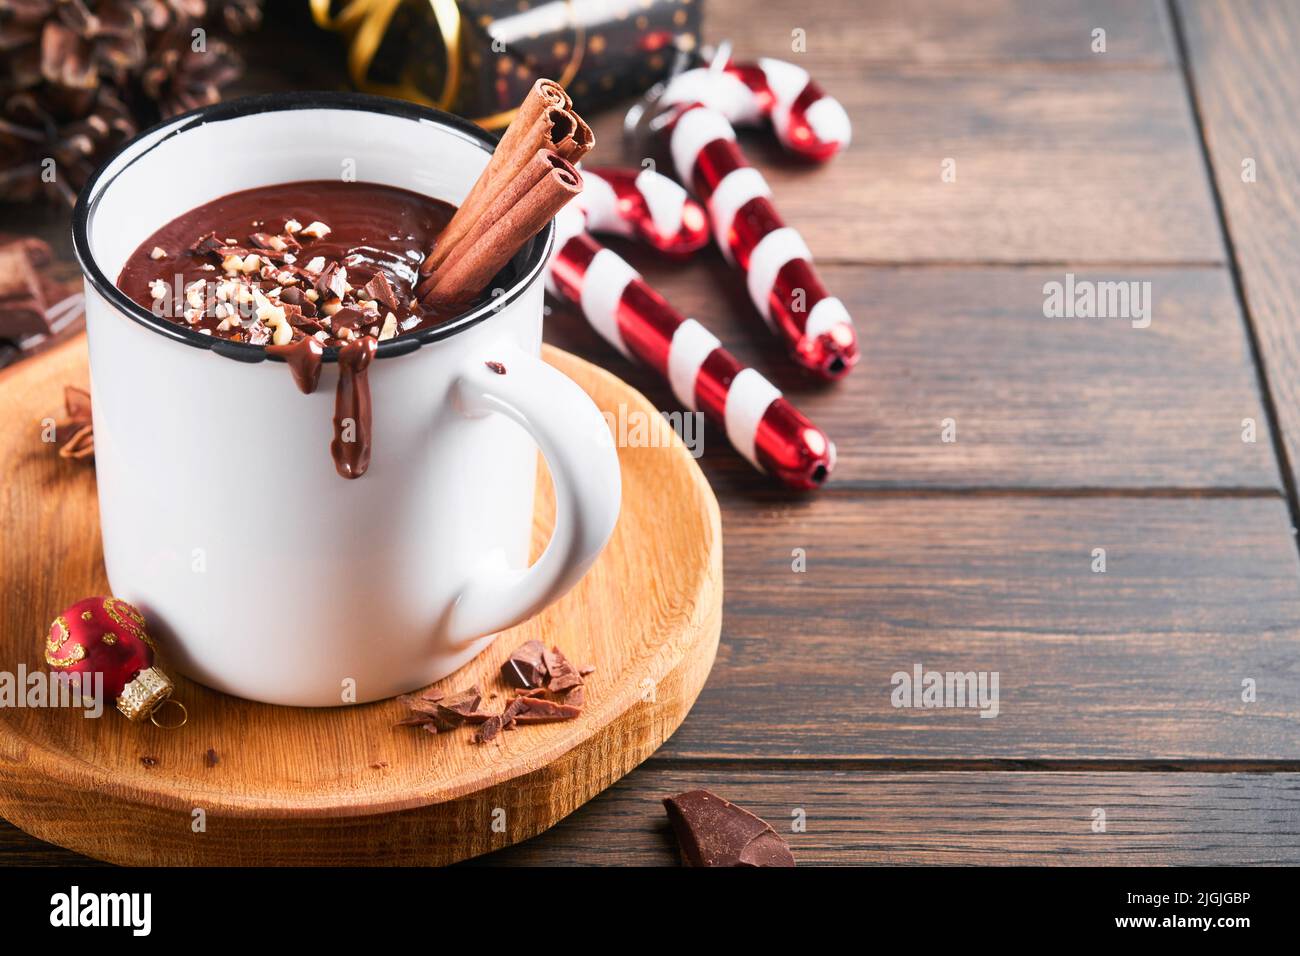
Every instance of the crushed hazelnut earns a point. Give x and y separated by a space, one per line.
292 226
158 253
315 230
390 327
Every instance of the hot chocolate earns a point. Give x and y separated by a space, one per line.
299 268
327 260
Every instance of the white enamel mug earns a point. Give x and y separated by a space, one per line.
266 574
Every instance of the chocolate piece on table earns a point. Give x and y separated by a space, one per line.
712 832
563 674
525 668
576 697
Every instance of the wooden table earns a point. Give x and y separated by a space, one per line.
1126 732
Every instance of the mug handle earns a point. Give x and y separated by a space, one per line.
567 427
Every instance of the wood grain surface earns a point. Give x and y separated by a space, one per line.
1036 401
1142 662
992 33
345 785
1242 62
1119 691
857 817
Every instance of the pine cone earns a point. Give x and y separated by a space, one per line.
77 77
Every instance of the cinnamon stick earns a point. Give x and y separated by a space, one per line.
545 120
513 192
515 214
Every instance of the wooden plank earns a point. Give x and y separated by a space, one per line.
1049 32
1051 166
1037 402
1145 661
857 817
1242 60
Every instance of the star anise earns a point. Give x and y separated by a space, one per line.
77 425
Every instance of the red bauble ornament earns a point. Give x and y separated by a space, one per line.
105 635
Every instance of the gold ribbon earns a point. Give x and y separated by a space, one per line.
366 22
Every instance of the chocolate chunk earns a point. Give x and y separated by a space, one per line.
205 244
489 729
277 245
536 710
586 669
462 704
497 367
526 666
563 674
576 697
211 758
292 295
22 297
712 832
379 290
331 282
347 318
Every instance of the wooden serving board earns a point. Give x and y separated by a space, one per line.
343 785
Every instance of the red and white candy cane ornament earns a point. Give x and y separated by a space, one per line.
807 121
779 273
643 205
759 422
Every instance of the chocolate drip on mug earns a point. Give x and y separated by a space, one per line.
351 445
304 360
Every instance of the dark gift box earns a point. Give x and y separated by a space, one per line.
479 58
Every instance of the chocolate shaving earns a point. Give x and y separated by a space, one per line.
417 720
536 710
497 367
576 697
526 666
562 673
712 832
211 758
